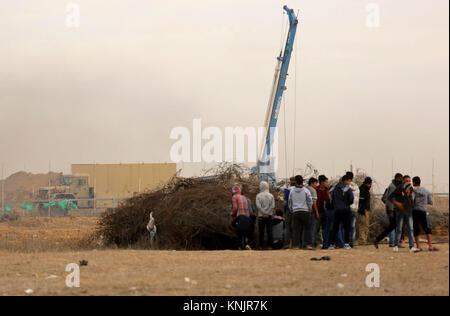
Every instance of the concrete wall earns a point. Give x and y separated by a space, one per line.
124 180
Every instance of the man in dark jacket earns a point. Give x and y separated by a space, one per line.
391 212
364 209
342 198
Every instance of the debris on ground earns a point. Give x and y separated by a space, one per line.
29 291
325 258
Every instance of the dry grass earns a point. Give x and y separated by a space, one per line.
286 272
441 204
36 234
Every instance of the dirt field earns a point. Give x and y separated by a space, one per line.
36 234
34 253
285 272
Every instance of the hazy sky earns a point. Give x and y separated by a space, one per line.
111 90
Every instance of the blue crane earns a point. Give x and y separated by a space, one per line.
266 164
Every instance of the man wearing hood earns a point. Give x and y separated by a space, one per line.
354 208
343 198
241 213
265 203
391 212
403 199
301 203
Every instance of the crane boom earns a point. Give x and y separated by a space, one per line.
266 164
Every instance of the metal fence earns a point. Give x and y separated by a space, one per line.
92 207
85 207
443 195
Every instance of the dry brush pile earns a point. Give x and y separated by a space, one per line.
190 213
439 221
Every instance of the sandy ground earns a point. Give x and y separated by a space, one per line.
285 272
34 253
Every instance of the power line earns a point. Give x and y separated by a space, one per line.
285 136
295 105
3 186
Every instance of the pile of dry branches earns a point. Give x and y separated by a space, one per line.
438 221
190 213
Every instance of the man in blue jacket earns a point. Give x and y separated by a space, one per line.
342 198
288 214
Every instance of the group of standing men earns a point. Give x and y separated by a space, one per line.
406 208
319 215
332 211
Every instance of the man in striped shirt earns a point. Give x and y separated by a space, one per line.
242 211
240 203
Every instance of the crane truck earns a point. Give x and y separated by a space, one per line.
265 167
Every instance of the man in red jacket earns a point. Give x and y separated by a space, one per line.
323 191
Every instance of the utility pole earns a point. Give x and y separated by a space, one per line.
334 168
392 167
94 182
3 187
139 184
412 167
432 178
372 169
49 184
